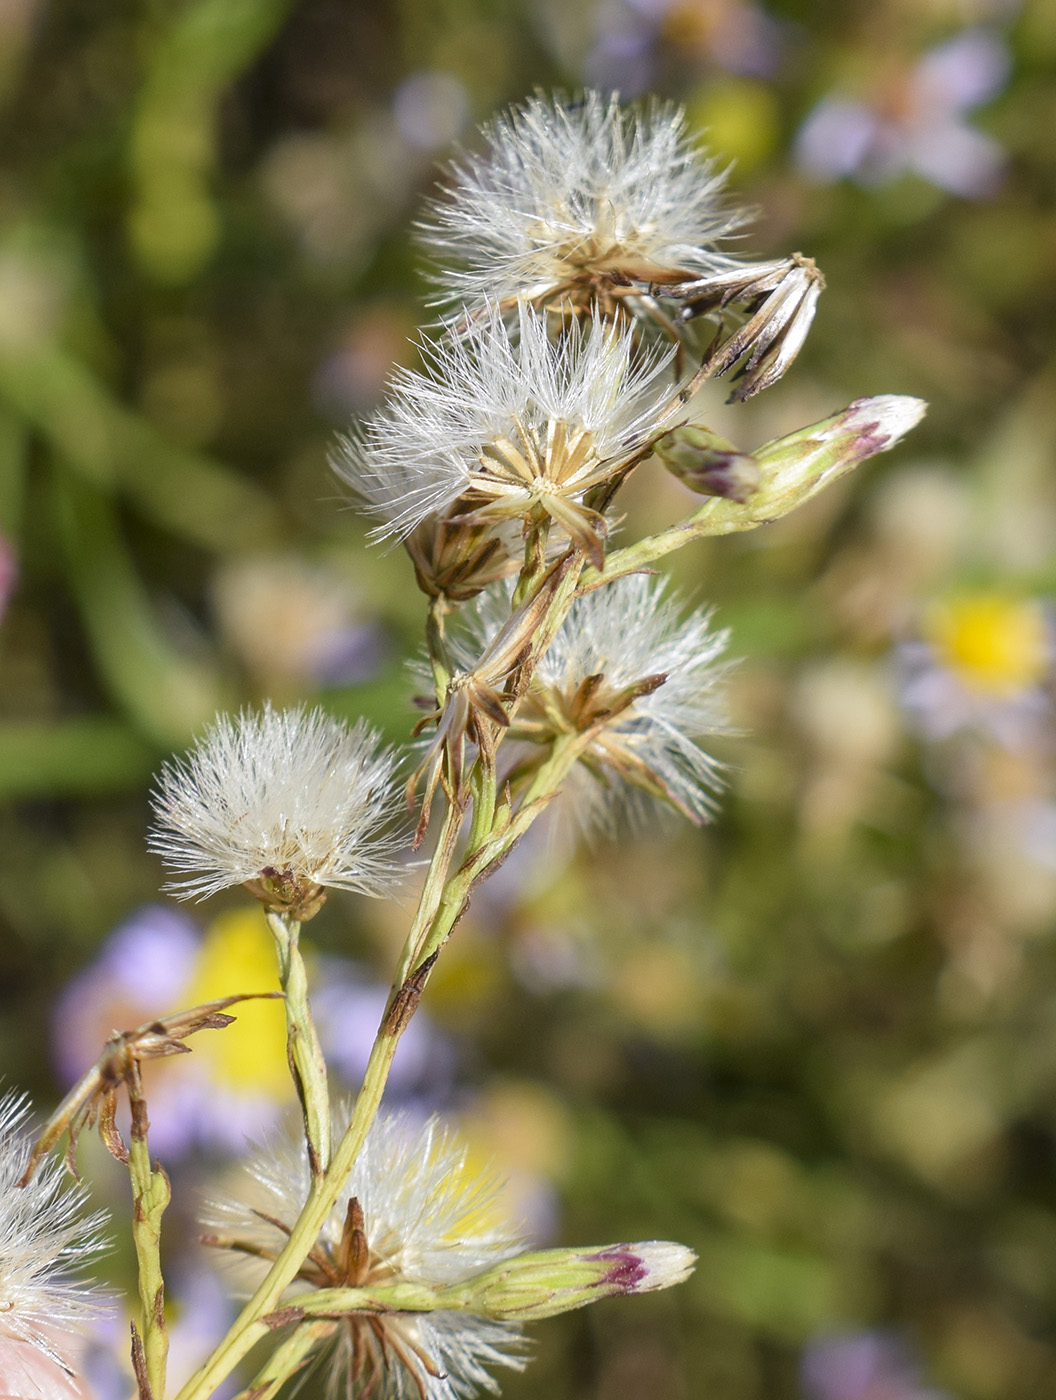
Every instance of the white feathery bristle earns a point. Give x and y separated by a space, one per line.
564 188
288 791
45 1243
429 1219
664 1264
627 631
423 450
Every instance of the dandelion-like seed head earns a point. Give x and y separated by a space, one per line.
511 427
287 802
412 1212
578 203
649 682
45 1241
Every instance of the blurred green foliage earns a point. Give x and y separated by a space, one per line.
816 1041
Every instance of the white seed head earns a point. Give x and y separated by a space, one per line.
45 1241
292 794
626 632
516 424
428 1219
570 192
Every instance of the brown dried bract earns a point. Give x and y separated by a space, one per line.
93 1099
779 298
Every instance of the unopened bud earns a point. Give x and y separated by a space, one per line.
708 464
795 468
798 466
552 1281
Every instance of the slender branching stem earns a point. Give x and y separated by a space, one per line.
150 1195
287 1359
303 1050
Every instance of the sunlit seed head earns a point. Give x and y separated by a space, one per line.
283 800
426 1217
45 1243
510 426
650 678
994 643
571 201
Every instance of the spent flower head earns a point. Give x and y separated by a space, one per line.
646 679
287 802
412 1213
580 203
512 427
45 1241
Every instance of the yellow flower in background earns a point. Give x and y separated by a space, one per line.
983 662
250 1055
994 643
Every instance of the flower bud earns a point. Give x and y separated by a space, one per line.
796 467
708 464
551 1281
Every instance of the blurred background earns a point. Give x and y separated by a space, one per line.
816 1040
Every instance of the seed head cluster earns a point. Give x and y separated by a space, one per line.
511 425
647 678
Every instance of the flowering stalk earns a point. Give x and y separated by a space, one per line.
792 470
151 1194
502 457
303 1050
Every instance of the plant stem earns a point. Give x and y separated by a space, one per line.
287 1359
150 1195
303 1050
442 903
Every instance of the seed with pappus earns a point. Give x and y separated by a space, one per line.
646 679
413 1215
512 427
45 1242
581 203
286 802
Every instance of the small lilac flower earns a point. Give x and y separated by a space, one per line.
862 1365
918 127
235 1084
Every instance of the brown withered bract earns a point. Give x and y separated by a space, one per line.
93 1099
779 297
478 699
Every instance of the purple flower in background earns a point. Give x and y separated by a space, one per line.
984 662
917 123
865 1365
733 35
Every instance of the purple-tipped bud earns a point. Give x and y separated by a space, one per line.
708 464
552 1281
798 466
795 468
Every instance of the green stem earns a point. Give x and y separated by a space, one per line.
303 1050
717 516
442 903
437 646
150 1195
287 1359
